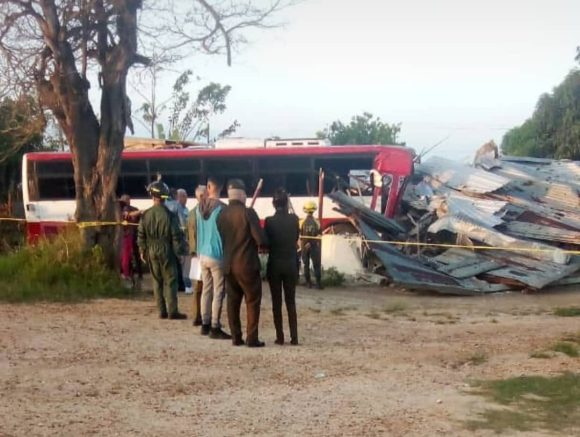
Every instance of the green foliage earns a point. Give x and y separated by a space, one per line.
332 278
535 402
21 128
567 348
567 312
190 120
521 141
11 236
57 270
362 129
553 131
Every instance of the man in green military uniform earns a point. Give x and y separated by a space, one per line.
161 242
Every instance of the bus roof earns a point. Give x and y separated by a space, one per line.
225 153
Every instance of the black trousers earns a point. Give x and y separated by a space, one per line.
312 252
282 277
180 282
248 286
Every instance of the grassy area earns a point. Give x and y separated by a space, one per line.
568 345
567 312
531 402
11 236
58 270
567 348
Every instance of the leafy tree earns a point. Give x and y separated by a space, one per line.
63 48
362 129
522 140
553 131
21 130
190 120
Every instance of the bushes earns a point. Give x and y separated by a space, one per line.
332 278
11 236
57 270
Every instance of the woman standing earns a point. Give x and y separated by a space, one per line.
283 231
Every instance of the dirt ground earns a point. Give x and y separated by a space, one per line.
371 362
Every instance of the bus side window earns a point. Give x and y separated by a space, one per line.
133 185
133 178
55 180
232 168
271 183
337 170
177 172
298 184
292 173
188 182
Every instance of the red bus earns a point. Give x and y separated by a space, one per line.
49 190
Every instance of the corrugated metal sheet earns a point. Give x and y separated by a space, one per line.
528 271
569 280
557 184
493 238
533 212
350 206
461 263
415 275
509 266
566 172
462 177
527 159
479 211
542 232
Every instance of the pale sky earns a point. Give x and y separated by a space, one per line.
468 69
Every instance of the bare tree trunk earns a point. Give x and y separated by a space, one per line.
96 145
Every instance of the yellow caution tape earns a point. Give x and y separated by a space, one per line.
455 246
83 225
79 224
95 224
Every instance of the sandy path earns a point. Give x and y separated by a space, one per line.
372 362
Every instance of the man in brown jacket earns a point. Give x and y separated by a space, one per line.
241 235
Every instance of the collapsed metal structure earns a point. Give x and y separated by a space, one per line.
500 224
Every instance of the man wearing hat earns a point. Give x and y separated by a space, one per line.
161 242
241 235
310 245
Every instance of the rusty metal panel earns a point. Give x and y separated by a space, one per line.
415 275
528 271
542 232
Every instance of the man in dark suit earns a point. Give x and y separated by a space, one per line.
241 235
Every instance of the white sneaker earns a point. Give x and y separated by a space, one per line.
188 290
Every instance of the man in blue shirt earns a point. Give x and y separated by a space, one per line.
211 255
